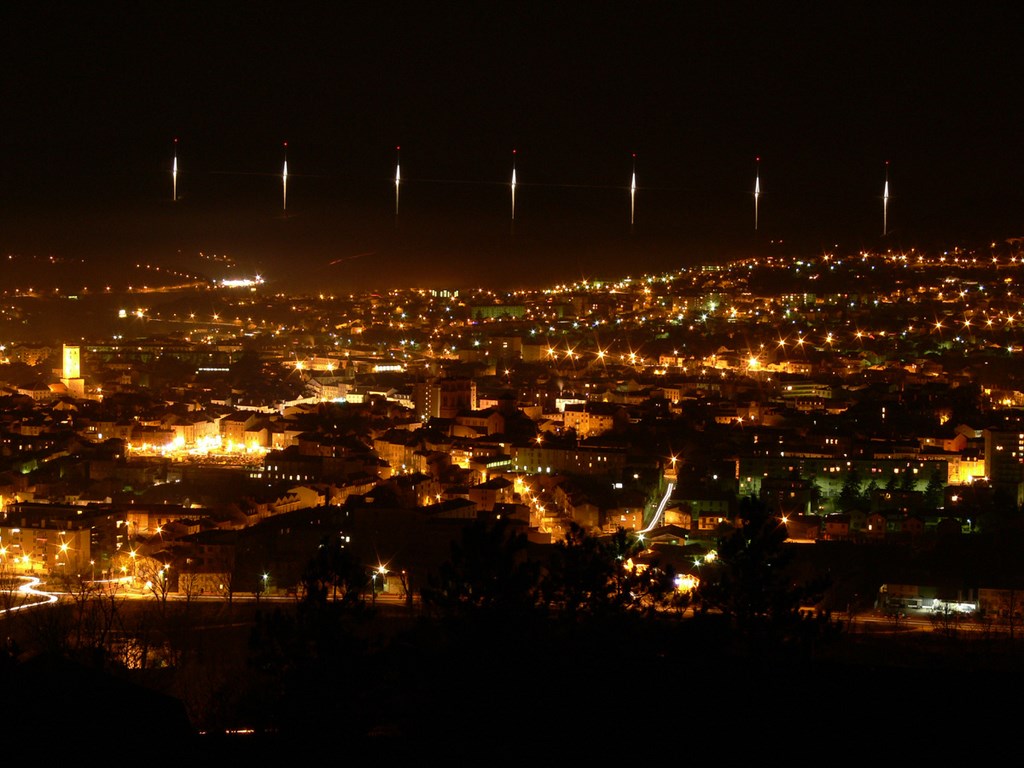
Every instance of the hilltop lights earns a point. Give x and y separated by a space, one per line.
241 282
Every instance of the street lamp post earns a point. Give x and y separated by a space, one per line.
261 585
64 560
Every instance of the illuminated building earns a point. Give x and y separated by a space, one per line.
60 539
1004 460
581 460
71 371
72 368
445 398
593 418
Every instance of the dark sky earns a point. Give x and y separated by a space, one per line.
93 95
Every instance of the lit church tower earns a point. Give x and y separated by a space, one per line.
72 371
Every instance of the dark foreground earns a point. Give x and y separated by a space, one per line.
246 679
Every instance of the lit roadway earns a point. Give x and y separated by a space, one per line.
121 589
31 597
874 622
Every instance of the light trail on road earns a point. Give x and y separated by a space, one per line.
659 511
28 589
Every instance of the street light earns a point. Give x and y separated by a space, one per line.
64 559
405 586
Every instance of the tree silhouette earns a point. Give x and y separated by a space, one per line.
592 577
850 497
815 493
488 573
907 480
334 574
933 493
869 493
754 586
156 576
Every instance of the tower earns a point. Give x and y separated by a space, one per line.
71 371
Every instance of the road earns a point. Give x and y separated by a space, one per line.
26 596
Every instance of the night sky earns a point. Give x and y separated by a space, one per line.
94 94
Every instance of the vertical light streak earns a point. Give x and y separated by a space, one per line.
632 195
513 185
174 174
398 176
885 202
284 180
757 189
